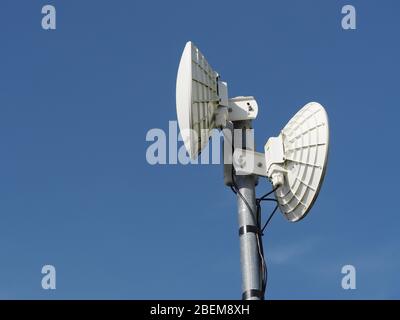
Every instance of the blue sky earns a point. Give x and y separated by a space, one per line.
76 190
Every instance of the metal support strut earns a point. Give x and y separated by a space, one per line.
250 248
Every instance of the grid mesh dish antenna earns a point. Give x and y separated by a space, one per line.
305 143
196 99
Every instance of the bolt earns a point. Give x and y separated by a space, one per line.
241 161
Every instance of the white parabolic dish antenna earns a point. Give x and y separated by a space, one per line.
296 160
196 99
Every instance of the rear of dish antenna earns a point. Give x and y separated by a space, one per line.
202 102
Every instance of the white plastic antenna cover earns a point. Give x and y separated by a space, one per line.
196 99
305 145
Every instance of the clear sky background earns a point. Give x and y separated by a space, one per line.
76 190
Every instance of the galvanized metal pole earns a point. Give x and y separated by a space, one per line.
250 248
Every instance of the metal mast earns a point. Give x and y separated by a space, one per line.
249 228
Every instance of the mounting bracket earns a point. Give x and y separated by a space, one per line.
238 108
248 162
